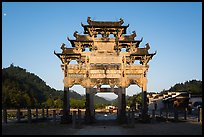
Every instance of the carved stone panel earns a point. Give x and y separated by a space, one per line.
105 62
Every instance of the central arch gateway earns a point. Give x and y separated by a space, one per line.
104 60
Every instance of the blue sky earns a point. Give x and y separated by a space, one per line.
32 31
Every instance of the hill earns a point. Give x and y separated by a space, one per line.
191 86
24 89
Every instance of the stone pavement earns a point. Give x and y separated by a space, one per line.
100 130
103 128
106 124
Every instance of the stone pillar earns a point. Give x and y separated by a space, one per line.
118 106
133 117
200 115
144 115
121 105
4 115
79 118
153 114
117 113
89 104
29 115
123 110
144 105
43 113
18 115
129 117
185 113
54 116
92 94
36 113
74 119
66 118
47 115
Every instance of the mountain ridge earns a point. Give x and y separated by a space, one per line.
21 89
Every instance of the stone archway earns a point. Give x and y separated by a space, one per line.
106 63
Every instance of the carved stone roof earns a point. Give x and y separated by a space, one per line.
104 23
100 26
143 54
104 56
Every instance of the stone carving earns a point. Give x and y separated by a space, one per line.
105 63
129 37
81 37
101 23
66 50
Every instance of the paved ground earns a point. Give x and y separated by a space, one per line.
104 127
49 128
144 129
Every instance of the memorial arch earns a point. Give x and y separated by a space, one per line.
104 64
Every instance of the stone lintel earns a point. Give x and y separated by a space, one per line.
108 90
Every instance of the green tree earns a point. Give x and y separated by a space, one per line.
27 100
139 98
24 89
100 106
50 103
58 103
75 103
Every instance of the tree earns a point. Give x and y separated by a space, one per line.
99 106
139 98
75 103
191 86
27 100
24 89
50 103
58 103
129 100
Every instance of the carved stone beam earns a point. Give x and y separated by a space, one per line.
139 82
63 47
89 21
145 59
121 21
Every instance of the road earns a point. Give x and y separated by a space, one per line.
105 125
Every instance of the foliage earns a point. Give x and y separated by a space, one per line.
191 86
24 89
100 106
58 103
76 103
132 100
21 88
50 103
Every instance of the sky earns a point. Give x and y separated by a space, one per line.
32 31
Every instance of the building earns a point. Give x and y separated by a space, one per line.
195 100
161 101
